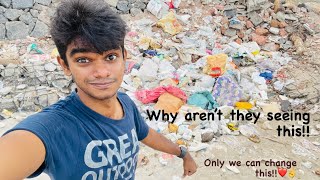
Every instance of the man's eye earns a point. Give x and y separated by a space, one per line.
82 60
111 57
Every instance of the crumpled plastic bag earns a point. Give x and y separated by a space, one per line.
151 96
169 103
158 8
203 99
147 42
170 24
216 61
227 92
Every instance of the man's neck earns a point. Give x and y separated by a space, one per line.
110 107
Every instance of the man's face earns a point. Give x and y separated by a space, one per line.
98 76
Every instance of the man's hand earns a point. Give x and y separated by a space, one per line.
189 165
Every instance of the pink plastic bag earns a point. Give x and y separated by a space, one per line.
151 96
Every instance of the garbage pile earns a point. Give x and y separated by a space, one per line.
217 57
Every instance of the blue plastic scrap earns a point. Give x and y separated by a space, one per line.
203 99
267 75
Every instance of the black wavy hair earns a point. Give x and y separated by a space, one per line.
91 23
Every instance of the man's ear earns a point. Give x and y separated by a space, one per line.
125 53
64 66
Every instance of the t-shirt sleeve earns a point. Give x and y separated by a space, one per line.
36 125
141 126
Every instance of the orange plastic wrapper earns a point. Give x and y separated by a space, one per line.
169 103
216 61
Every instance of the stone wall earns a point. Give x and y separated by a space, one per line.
21 18
32 86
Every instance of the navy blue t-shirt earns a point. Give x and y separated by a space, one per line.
84 145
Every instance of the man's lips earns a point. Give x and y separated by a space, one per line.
102 85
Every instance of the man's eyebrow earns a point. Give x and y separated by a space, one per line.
79 50
84 50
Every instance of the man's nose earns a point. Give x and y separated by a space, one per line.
101 69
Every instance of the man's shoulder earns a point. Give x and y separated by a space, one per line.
124 97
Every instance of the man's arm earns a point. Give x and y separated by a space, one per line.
158 142
21 154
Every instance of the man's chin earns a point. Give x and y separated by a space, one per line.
102 97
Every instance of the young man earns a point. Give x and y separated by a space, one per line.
93 133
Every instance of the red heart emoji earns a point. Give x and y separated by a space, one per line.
282 171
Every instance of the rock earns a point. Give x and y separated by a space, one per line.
16 30
307 27
313 6
249 24
236 26
5 3
43 2
40 7
5 91
139 5
274 23
283 24
40 30
271 47
13 14
224 20
290 17
286 45
230 32
240 34
255 18
7 104
283 32
61 83
2 32
230 13
3 19
9 70
22 4
21 86
280 16
254 4
112 3
274 30
261 40
34 13
45 16
285 105
207 137
261 31
50 67
123 6
238 40
135 11
31 27
26 18
2 9
52 98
